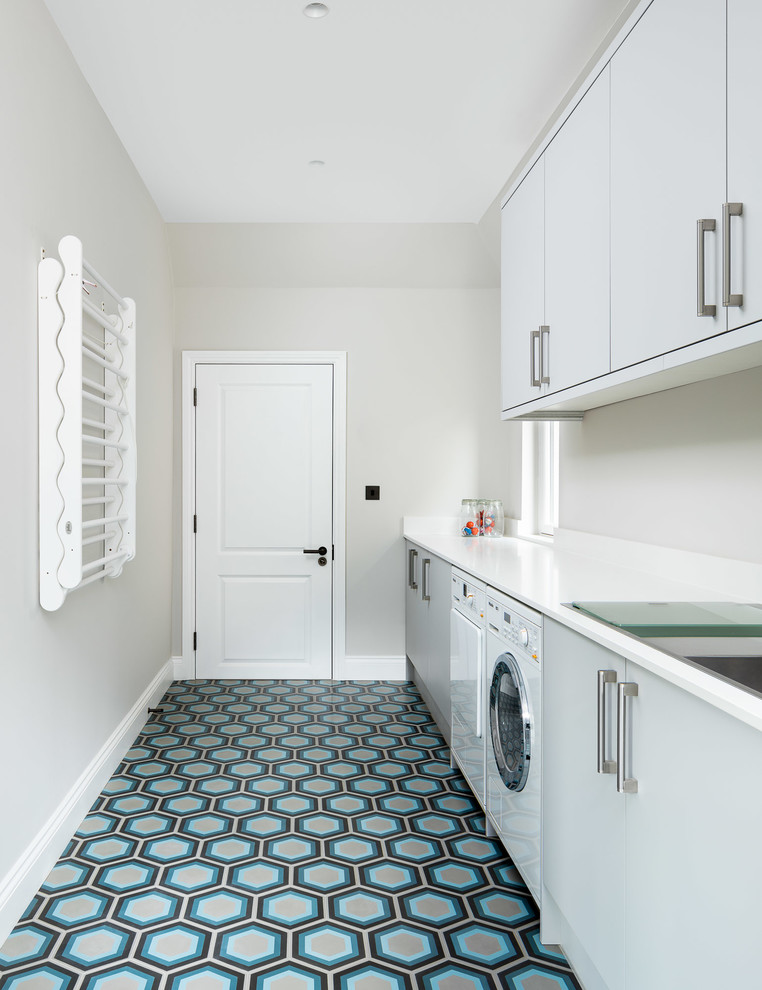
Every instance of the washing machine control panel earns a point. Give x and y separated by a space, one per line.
514 629
468 595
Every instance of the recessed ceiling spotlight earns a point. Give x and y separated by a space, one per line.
315 10
317 163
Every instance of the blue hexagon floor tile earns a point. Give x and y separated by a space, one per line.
284 835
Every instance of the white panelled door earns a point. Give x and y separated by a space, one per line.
264 495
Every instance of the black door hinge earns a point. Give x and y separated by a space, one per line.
333 555
195 396
194 522
194 641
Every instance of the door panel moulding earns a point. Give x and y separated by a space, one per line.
190 359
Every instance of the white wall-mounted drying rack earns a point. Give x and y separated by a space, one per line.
87 426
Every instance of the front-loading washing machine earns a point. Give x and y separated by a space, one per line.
513 731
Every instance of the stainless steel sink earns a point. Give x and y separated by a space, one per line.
737 660
722 638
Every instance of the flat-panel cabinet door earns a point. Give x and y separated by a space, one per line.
583 843
667 172
744 156
439 586
577 309
415 615
522 295
694 870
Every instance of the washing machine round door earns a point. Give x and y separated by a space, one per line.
510 722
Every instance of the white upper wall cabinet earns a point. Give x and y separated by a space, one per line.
523 289
744 155
577 243
555 260
645 233
667 172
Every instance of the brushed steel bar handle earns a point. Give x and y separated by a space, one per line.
534 346
625 785
411 582
425 596
544 378
729 298
702 308
604 677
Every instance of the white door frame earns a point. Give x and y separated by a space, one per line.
189 361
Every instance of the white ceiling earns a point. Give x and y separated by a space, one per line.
421 109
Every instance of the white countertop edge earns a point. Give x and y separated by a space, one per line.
733 700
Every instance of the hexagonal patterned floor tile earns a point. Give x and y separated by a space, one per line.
406 945
372 977
251 945
96 945
323 875
290 908
66 875
71 910
289 977
257 875
361 907
26 944
535 976
328 945
126 976
174 945
487 945
456 976
284 835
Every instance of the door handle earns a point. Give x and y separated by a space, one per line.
411 559
625 785
425 596
321 551
544 377
534 345
729 298
604 677
702 309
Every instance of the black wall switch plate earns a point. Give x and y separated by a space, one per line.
372 493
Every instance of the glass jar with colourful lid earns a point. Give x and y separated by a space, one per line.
469 518
493 518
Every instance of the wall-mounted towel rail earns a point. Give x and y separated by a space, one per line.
87 440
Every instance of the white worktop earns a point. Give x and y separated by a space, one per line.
544 577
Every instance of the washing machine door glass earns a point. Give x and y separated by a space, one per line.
510 723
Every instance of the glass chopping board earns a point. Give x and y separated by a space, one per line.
677 618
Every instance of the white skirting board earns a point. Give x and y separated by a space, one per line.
23 881
346 669
184 668
370 669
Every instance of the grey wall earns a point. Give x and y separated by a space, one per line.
69 677
423 373
680 469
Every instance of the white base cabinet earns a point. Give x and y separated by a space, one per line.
427 629
694 866
661 888
583 834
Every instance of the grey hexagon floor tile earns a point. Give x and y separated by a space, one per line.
284 835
